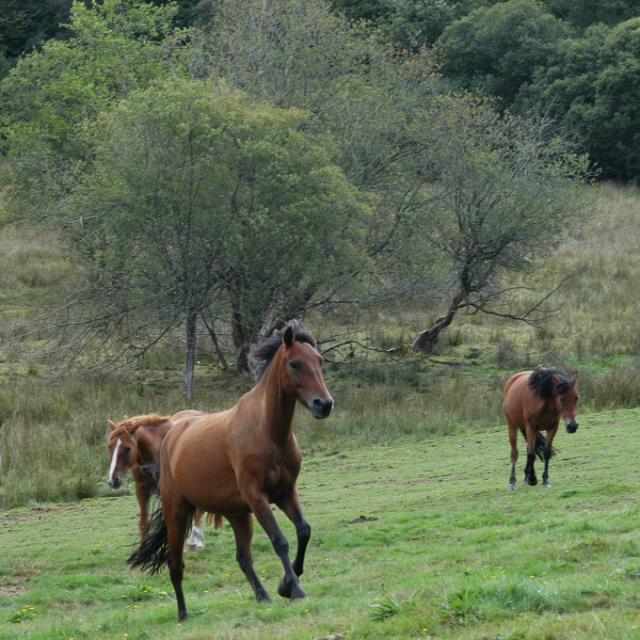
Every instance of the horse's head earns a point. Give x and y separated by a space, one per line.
301 372
122 451
567 394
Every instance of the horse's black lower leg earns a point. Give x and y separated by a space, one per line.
176 570
243 531
529 471
545 474
512 477
290 585
303 532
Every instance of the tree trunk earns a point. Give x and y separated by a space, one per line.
216 344
242 339
191 353
428 339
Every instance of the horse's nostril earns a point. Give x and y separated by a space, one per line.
317 402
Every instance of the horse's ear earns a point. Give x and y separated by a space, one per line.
112 424
287 337
574 378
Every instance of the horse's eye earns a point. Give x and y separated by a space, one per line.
295 365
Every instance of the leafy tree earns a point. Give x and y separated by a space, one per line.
412 24
591 86
361 9
504 193
367 98
583 13
48 98
27 24
496 49
199 196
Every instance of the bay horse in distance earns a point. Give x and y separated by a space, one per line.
535 401
134 443
236 462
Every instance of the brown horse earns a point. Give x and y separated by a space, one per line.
235 462
134 444
534 401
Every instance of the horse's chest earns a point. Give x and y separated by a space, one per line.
279 480
547 418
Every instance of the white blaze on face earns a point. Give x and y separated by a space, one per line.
114 460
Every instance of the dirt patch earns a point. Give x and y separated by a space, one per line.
11 591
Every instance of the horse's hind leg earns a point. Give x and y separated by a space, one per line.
548 452
196 537
242 526
513 440
177 514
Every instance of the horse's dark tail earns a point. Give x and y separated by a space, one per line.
153 553
541 445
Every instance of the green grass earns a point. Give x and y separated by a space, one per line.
414 540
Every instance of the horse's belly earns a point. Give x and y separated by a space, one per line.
205 477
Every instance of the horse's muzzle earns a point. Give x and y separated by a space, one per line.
572 427
321 407
115 482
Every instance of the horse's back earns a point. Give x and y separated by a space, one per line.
515 390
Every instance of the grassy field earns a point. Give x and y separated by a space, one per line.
414 540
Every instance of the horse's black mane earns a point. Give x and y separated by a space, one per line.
541 381
264 353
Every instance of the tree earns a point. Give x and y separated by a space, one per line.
27 24
365 97
505 193
583 13
200 197
52 95
496 49
591 87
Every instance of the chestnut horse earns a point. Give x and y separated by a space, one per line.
135 444
534 401
235 462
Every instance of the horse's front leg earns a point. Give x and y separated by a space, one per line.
143 501
548 452
291 507
260 506
529 471
513 441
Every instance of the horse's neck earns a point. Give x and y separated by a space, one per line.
277 417
148 449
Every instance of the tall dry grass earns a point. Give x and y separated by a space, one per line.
53 427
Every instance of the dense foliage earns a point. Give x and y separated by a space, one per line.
526 52
278 160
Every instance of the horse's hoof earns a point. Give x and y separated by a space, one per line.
512 486
195 547
287 590
532 482
263 597
298 594
284 589
546 485
182 615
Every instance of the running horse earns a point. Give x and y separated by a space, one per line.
236 462
534 401
134 443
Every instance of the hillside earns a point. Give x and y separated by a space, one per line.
417 540
52 423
